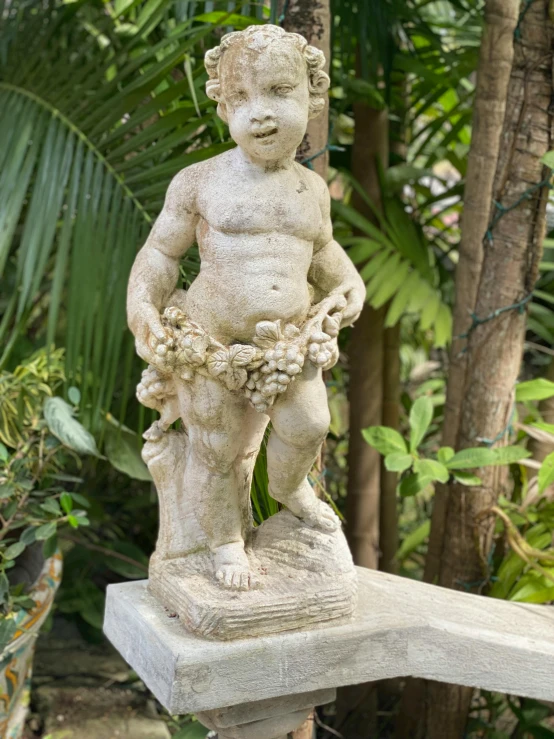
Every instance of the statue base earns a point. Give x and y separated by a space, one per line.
306 577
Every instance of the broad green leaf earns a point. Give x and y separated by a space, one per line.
14 550
543 595
466 478
51 505
538 389
124 454
548 159
483 457
398 462
546 473
421 415
28 535
413 484
45 531
74 395
49 547
66 502
59 417
430 311
431 468
542 426
8 627
384 439
443 326
512 566
414 540
3 453
531 585
445 453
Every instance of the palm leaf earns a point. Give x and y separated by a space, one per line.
95 126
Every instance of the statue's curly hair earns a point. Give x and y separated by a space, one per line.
258 38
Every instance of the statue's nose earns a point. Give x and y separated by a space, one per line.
261 114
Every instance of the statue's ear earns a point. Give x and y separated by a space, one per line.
222 112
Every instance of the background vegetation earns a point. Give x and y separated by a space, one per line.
103 102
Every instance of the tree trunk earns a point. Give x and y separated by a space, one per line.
366 357
493 76
388 510
495 64
512 251
357 705
312 19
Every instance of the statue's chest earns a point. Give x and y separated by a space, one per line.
283 207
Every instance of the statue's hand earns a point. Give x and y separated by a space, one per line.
355 297
146 325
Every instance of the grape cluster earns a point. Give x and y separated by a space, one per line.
323 349
281 364
153 388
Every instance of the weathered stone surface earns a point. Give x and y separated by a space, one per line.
244 346
400 627
306 577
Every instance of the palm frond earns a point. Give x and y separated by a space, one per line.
95 124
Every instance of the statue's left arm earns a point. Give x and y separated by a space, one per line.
331 270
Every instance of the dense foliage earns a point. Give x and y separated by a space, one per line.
102 103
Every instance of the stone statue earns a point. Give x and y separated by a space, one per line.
243 347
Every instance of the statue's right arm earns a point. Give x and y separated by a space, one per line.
156 268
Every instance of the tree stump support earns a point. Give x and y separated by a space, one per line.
265 687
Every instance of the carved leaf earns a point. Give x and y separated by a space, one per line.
267 333
242 354
235 378
218 362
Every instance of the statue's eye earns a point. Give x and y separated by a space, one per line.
236 98
283 89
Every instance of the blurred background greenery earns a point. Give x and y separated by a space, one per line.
102 103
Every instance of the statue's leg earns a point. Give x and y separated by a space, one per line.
300 420
217 424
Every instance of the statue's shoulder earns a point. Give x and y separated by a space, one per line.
196 176
313 180
316 184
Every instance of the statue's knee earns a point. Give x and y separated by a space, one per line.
306 431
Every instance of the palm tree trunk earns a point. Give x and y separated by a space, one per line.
512 252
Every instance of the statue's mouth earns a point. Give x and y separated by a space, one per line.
266 133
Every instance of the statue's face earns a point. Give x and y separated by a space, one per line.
265 99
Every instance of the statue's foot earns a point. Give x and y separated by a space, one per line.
320 515
305 504
232 568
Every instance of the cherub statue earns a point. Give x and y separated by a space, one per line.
247 343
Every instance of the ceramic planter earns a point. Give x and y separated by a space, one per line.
16 660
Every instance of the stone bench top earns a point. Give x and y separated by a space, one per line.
400 628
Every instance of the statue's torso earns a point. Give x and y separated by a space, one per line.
256 236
